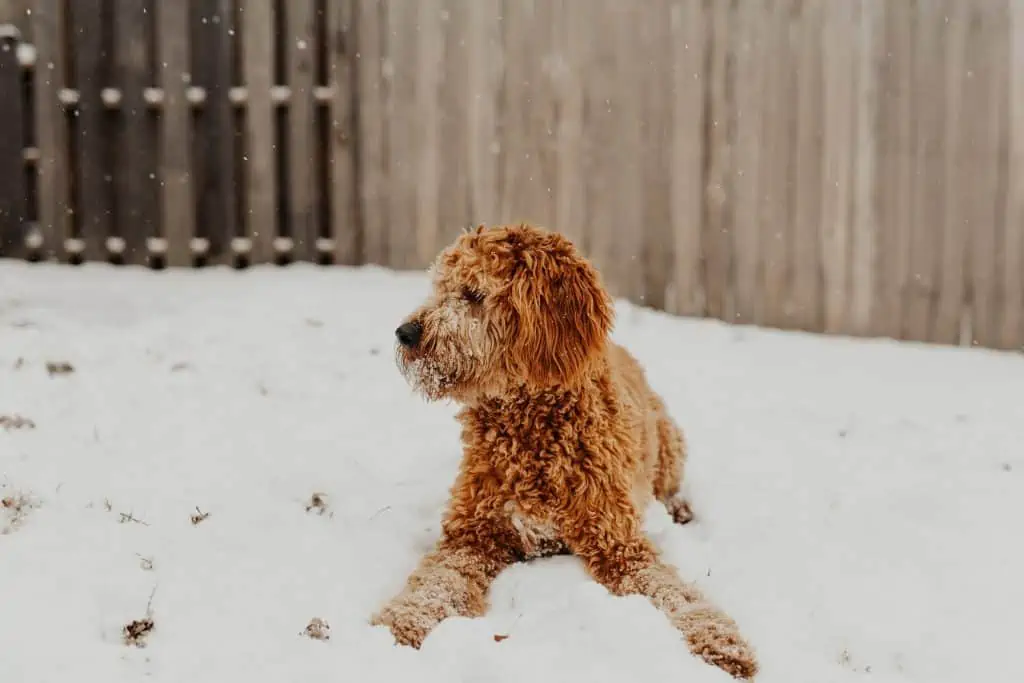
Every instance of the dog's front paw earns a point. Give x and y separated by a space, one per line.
409 621
680 510
719 643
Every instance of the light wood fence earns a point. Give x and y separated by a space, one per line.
844 166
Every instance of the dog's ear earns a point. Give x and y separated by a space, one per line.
563 316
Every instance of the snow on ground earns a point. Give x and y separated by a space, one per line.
859 502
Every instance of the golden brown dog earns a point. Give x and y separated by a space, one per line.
564 442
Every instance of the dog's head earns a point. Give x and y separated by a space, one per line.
510 306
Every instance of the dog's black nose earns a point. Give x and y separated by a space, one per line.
409 334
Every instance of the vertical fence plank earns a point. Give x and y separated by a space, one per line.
983 184
300 54
92 71
401 165
602 161
806 293
689 22
1013 225
13 189
345 225
485 50
929 188
867 242
258 22
427 161
623 142
776 140
568 80
372 85
452 189
752 50
135 167
895 147
652 72
54 190
719 221
212 30
178 209
628 146
527 115
838 152
948 318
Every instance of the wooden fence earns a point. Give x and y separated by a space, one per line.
845 166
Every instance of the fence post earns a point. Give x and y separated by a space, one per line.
13 186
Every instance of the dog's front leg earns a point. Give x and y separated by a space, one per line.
618 556
451 580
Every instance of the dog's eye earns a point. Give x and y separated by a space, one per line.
472 295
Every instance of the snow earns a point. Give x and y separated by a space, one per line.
859 502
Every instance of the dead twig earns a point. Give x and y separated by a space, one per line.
59 368
199 517
130 517
11 422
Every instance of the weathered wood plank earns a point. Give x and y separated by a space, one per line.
689 22
341 55
655 112
716 240
601 152
92 126
867 235
177 199
840 67
568 82
13 188
929 188
776 162
212 23
754 39
952 294
453 101
136 207
806 254
527 116
372 86
1013 227
486 50
300 48
627 145
983 182
52 170
258 23
427 77
402 168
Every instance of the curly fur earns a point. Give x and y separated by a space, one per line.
564 442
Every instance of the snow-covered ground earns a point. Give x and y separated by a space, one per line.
860 502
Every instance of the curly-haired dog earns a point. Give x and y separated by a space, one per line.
564 441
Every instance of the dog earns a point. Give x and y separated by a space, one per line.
564 441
